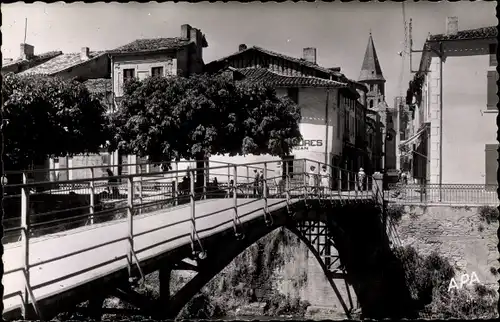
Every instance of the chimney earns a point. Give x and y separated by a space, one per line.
84 53
27 51
185 31
309 54
451 26
195 36
242 47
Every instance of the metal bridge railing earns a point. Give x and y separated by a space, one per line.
445 194
94 200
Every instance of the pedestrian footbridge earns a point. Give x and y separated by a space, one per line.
102 240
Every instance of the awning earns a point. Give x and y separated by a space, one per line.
414 137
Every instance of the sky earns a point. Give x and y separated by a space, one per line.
338 30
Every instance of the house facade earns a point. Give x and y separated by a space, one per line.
332 114
143 58
454 108
86 66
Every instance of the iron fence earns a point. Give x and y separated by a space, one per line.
445 194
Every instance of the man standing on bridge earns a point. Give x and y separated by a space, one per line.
313 180
256 191
361 178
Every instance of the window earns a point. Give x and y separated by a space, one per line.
128 74
493 54
371 103
157 71
293 93
371 87
491 156
492 98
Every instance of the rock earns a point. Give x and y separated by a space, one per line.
252 309
325 313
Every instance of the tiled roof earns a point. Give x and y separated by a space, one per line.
61 63
34 60
99 85
289 58
265 76
155 44
478 33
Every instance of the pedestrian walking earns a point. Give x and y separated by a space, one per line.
361 178
325 180
112 184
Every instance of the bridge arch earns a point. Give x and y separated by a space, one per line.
218 258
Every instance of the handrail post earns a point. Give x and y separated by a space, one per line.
130 222
25 223
92 196
287 183
235 198
229 181
348 183
318 181
193 213
339 182
248 182
205 179
264 186
176 171
139 169
174 192
305 179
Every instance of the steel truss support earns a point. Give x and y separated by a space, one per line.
316 235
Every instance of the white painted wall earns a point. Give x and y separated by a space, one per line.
142 66
467 126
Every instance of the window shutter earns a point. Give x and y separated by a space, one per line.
491 156
492 90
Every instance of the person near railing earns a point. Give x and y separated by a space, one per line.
261 184
256 184
361 178
112 184
313 180
281 179
230 189
325 180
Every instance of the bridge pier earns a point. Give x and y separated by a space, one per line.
95 307
164 275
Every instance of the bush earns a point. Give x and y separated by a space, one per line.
428 278
395 213
488 214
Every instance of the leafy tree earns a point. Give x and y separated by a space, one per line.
49 117
172 118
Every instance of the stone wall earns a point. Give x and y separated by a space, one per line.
455 233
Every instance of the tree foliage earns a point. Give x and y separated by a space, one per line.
49 117
174 118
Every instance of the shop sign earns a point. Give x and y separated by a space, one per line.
306 144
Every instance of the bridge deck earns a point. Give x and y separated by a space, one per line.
60 262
